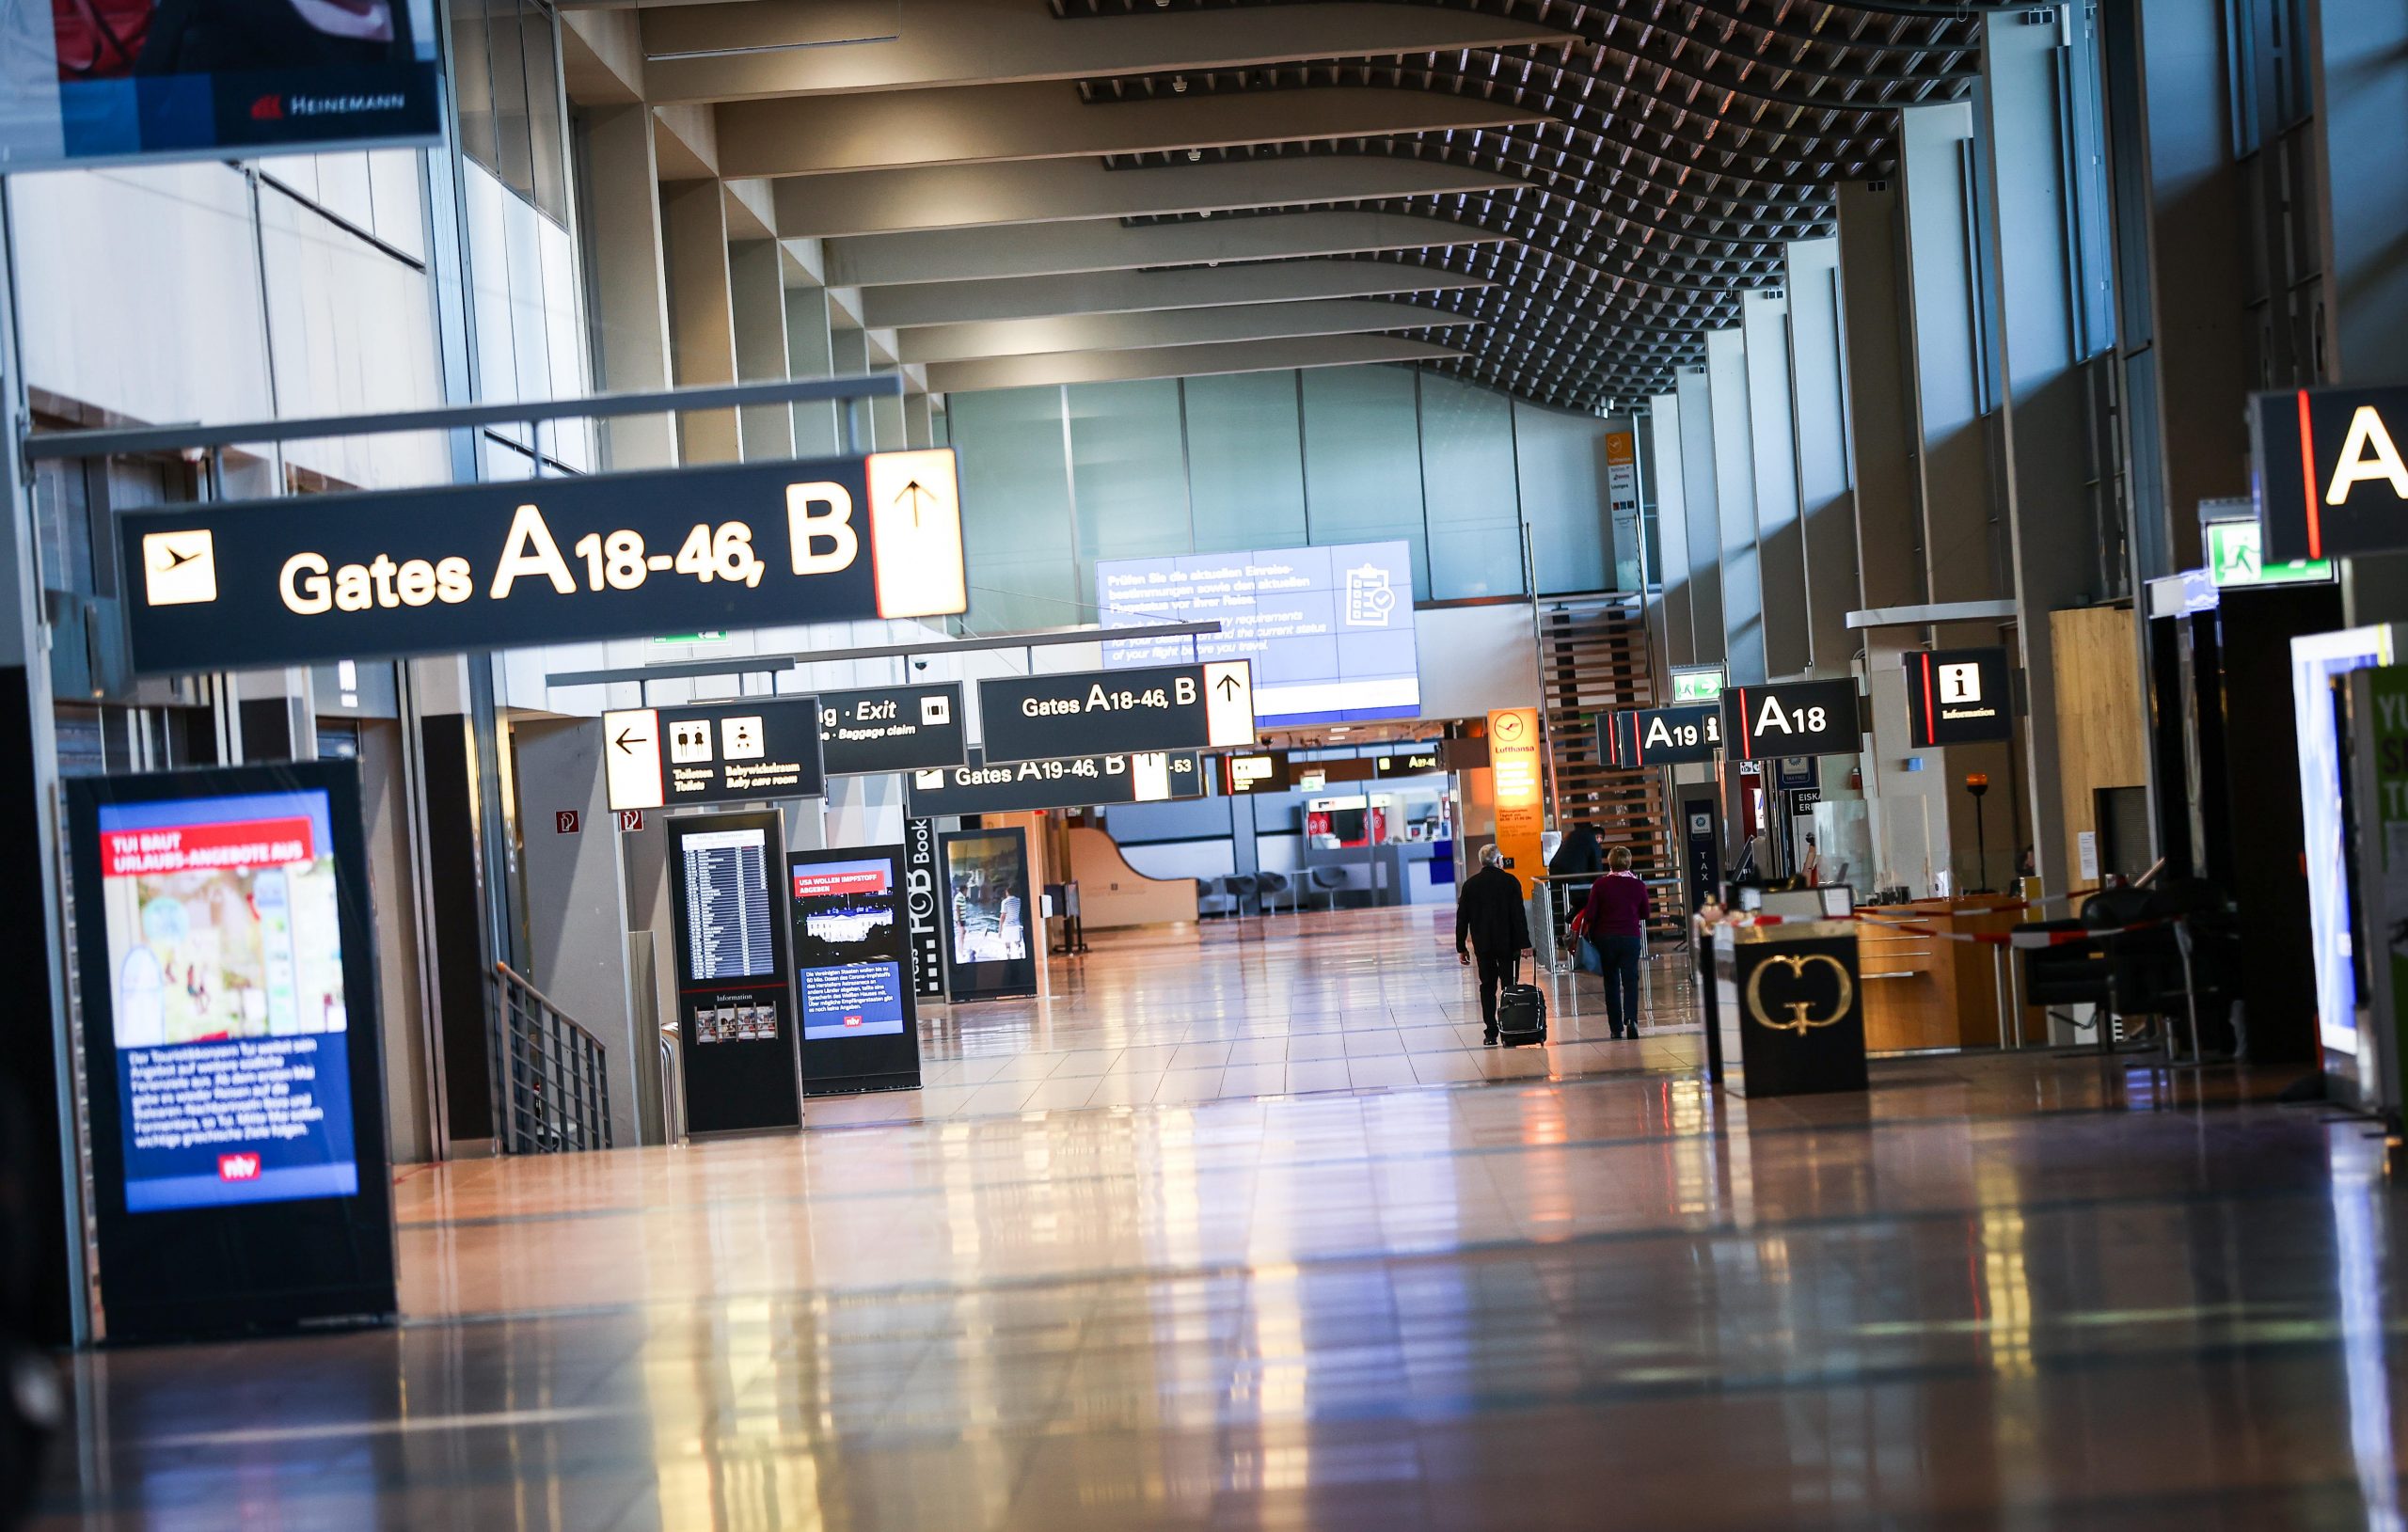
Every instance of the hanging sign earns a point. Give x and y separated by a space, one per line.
1797 717
2331 480
312 577
1696 683
1058 782
1166 707
891 729
2234 558
1958 697
1652 736
736 751
1264 772
1427 762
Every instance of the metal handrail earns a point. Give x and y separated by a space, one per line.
551 1086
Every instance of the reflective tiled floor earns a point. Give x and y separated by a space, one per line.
2027 1293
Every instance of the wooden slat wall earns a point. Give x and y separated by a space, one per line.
1593 657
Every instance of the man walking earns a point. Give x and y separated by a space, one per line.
1489 915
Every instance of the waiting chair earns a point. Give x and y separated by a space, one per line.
1214 898
1270 888
1325 882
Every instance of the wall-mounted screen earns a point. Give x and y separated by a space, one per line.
229 1009
1329 629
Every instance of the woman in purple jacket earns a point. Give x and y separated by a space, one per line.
1614 918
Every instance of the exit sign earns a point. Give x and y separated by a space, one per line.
2233 558
1697 685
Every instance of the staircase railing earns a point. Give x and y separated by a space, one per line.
551 1084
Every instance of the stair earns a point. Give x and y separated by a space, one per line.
1595 657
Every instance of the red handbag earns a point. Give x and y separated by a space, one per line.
98 39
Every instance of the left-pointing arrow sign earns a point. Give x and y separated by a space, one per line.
632 764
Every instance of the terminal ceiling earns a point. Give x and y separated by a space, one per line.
1556 199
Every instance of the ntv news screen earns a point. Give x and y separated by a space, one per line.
226 977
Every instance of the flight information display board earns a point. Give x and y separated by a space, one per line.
735 1008
852 978
232 1061
1329 629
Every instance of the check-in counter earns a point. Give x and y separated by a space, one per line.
1398 873
1788 1017
1923 988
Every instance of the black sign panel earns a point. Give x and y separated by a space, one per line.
2331 480
1958 697
1163 707
737 751
734 1004
232 1050
922 908
1421 762
892 729
1060 781
1702 850
1789 1015
1652 736
852 970
1263 771
1797 717
234 586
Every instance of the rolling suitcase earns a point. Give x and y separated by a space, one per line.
1521 1015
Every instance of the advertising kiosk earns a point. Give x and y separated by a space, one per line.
852 974
231 1051
991 948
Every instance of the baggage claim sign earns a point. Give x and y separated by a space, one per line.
321 578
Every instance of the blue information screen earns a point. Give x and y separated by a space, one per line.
1329 629
848 949
226 973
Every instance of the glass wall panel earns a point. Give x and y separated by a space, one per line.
1469 489
1128 476
1562 461
1246 466
1015 508
1363 460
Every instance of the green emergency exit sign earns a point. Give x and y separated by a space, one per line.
2233 558
1701 686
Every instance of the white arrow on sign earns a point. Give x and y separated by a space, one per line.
1228 701
631 758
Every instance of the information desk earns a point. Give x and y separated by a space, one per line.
1933 991
1788 1018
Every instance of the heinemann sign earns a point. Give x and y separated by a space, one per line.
305 579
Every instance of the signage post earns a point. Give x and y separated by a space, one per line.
924 905
1519 786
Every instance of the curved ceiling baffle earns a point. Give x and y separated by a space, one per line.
1557 199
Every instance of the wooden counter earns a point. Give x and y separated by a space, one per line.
1929 992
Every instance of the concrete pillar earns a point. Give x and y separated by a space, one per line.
818 428
1661 451
1818 409
1734 499
2358 77
1884 464
2036 173
757 301
621 217
701 323
1950 352
1781 551
577 911
1695 420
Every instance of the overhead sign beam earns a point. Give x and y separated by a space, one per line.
473 567
1058 781
1166 707
757 664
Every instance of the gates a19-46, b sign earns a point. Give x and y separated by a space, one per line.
314 577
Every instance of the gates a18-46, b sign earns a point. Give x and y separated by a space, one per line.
473 567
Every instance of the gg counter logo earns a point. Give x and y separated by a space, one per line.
1798 1020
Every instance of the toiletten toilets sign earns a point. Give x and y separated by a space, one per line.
319 577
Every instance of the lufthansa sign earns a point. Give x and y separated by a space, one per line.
2331 480
496 566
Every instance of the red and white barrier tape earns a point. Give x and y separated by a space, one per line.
1993 939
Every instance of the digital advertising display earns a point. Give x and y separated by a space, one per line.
1329 629
852 965
92 82
735 1002
849 948
990 948
232 1042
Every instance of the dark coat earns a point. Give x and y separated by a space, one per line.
1581 854
1489 914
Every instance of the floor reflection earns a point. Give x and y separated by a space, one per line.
2031 1293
